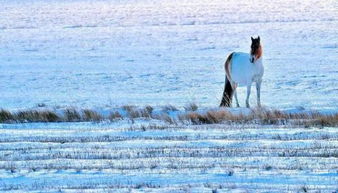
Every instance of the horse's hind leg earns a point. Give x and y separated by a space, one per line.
248 91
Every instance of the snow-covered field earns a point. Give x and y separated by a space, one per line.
150 157
104 54
101 53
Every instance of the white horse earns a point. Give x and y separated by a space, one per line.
242 69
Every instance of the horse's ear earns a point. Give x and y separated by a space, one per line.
252 39
259 39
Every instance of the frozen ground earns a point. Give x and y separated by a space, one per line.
111 53
150 157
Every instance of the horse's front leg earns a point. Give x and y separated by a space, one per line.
235 90
248 91
237 104
258 89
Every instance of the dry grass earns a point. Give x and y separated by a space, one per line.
191 107
134 112
90 115
149 109
37 116
212 117
114 116
128 108
256 116
71 115
169 108
29 116
327 120
262 116
220 116
5 116
165 117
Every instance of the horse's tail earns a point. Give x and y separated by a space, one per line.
228 90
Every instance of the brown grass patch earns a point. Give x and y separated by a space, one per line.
115 116
191 107
261 116
90 115
255 116
213 117
167 119
37 116
169 108
134 112
71 115
5 116
128 108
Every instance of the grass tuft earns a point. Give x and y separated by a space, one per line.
5 116
149 110
169 108
114 116
128 108
37 116
167 119
134 112
90 115
328 120
191 107
71 115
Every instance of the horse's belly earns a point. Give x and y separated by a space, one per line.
241 81
241 69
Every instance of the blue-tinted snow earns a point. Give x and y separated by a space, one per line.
112 53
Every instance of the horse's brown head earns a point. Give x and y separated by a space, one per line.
256 49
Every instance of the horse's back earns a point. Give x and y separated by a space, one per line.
241 68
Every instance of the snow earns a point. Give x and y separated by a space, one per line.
95 54
225 158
